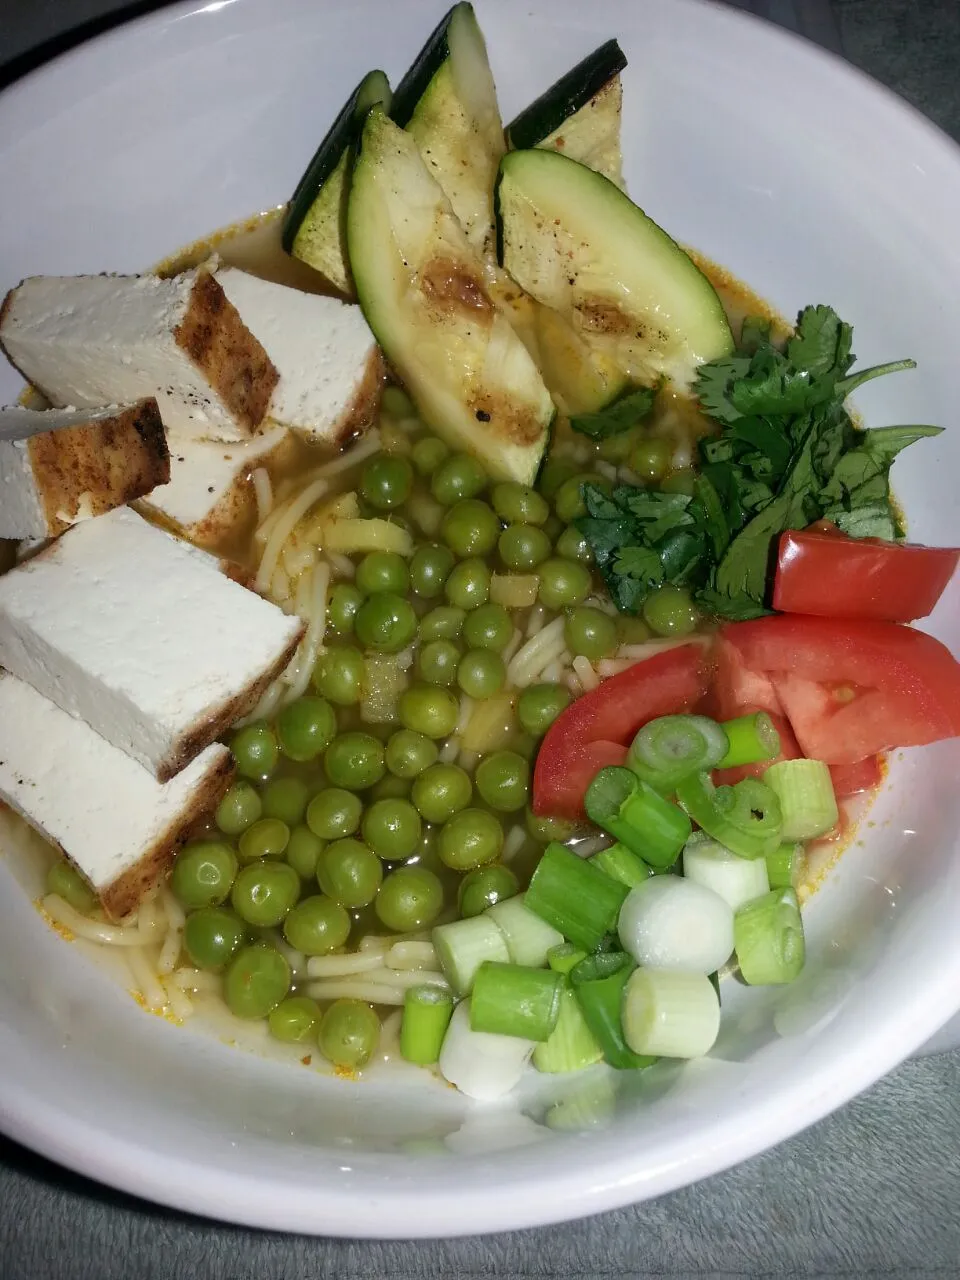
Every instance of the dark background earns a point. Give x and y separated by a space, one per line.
872 1191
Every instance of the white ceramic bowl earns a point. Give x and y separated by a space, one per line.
806 180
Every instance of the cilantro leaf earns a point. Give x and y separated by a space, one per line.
641 563
820 346
617 417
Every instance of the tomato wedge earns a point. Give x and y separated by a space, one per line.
735 689
833 576
853 687
851 779
596 730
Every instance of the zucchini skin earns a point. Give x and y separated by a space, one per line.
425 66
571 92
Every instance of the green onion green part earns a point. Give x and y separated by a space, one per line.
745 818
670 1014
785 866
672 747
462 947
621 864
514 1000
804 789
750 739
575 898
636 815
529 939
601 1000
768 939
565 957
427 1011
571 1045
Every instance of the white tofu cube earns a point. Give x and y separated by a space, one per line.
117 824
331 369
87 341
140 635
58 466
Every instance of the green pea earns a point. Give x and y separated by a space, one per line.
545 829
386 481
302 851
568 501
409 753
382 571
349 1034
470 527
349 872
305 727
256 980
286 799
428 454
441 791
397 403
488 627
469 839
563 582
518 503
669 611
650 460
267 838
386 622
681 481
590 632
572 545
523 546
618 448
354 761
240 807
425 854
342 606
389 787
459 476
429 710
437 662
481 673
296 1019
468 585
212 936
409 898
255 750
392 829
429 570
338 675
554 473
540 704
316 926
264 892
503 780
67 883
632 630
443 623
203 873
484 888
334 813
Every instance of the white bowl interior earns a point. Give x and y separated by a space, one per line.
806 181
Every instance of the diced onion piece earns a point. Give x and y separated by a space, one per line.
668 922
670 1014
479 1064
808 806
712 865
514 590
528 937
350 536
463 945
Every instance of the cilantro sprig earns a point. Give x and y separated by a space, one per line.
786 453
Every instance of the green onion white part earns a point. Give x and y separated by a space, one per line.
481 1065
589 1104
713 866
463 945
528 938
672 923
808 805
768 934
670 1014
571 1045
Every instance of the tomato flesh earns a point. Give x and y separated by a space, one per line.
830 575
852 779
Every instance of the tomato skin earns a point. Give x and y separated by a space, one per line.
851 687
851 779
832 576
597 729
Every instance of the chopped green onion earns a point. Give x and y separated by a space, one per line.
565 957
600 1000
669 922
528 938
768 936
670 1014
463 945
750 739
785 866
639 817
514 1000
672 747
621 864
590 1104
571 1045
807 802
715 983
712 865
427 1011
481 1065
600 965
745 818
575 898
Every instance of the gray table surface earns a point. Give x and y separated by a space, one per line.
873 1190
